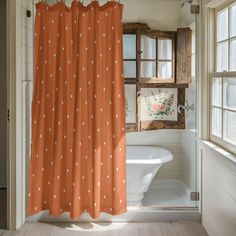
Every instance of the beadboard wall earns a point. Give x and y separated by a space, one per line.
218 190
158 14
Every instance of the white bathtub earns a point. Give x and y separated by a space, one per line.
143 162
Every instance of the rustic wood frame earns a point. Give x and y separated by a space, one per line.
133 29
163 124
159 35
138 29
184 55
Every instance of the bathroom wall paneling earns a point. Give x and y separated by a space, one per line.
218 190
164 15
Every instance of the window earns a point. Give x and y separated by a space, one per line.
129 55
223 80
226 39
152 53
153 91
130 76
157 58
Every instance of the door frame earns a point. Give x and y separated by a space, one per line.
15 159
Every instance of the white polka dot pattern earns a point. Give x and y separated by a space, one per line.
77 159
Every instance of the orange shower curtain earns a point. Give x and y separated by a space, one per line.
77 159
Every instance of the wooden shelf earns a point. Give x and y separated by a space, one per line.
153 84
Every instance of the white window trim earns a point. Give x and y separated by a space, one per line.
212 73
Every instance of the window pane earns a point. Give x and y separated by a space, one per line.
164 49
222 56
230 93
148 47
148 69
233 21
216 121
230 126
130 69
129 46
233 55
222 25
217 92
164 70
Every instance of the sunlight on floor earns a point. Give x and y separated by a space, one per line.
105 226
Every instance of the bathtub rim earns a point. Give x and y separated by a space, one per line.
156 160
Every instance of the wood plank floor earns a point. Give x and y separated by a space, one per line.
110 229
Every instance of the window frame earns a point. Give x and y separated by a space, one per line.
221 141
142 29
158 35
132 81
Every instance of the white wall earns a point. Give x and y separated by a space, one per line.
186 17
218 192
158 14
3 96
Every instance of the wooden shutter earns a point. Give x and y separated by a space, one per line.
183 60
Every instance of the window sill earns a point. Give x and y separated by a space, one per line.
223 152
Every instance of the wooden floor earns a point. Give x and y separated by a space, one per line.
101 229
110 229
